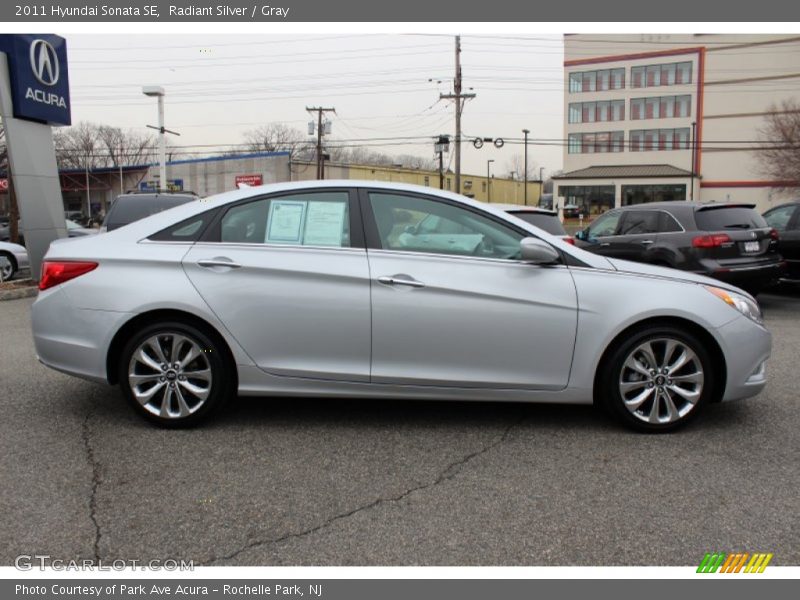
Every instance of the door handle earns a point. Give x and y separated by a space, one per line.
386 280
604 244
217 262
646 242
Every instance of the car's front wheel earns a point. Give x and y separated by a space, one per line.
174 374
657 379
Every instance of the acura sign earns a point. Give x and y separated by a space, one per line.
39 77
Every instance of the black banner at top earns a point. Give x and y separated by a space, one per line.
512 11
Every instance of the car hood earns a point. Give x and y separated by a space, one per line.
627 266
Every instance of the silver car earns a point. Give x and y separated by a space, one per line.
331 289
16 260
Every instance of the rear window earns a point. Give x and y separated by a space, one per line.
549 223
127 209
736 217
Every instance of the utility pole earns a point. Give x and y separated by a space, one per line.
458 99
441 146
320 132
694 159
526 132
488 180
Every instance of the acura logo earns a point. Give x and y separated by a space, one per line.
44 62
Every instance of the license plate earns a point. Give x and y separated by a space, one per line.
752 246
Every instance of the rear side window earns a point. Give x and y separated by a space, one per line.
667 223
189 230
548 223
735 217
127 209
314 219
640 221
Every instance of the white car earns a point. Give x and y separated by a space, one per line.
17 258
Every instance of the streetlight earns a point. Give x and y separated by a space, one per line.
526 132
694 158
158 92
488 181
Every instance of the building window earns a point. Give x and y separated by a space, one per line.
661 107
647 140
574 145
593 81
640 194
590 143
590 112
591 199
660 75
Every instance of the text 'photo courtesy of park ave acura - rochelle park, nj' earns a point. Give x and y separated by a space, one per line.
350 298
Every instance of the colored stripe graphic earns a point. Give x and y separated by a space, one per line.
711 562
735 562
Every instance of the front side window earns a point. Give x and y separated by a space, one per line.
313 219
414 224
605 225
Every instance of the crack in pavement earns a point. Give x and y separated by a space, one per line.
90 457
448 473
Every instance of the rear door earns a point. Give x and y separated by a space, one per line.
287 274
636 236
786 221
739 236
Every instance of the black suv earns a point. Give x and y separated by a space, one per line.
132 207
786 220
730 242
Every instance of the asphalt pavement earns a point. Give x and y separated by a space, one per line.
352 482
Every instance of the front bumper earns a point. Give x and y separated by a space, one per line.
747 347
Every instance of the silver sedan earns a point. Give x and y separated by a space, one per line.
333 289
16 260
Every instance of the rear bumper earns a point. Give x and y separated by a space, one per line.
73 340
747 347
746 275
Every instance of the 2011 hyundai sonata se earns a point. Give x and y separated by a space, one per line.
347 288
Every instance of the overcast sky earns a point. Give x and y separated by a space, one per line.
382 86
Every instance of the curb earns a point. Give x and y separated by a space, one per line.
17 294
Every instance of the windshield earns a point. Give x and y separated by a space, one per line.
549 223
127 209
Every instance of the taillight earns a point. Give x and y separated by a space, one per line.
569 240
56 272
711 241
773 233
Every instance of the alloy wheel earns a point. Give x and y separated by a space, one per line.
170 376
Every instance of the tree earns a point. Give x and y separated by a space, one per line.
516 165
102 146
780 138
276 137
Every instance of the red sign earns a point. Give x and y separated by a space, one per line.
249 180
3 185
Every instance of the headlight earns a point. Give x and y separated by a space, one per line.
743 304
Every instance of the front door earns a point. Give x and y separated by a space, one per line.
452 305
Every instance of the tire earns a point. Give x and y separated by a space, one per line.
170 391
11 269
657 402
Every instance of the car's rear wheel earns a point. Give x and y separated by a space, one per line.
174 374
8 270
658 379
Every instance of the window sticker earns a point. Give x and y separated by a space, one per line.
286 219
324 223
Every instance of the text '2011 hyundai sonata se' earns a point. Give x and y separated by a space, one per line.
348 288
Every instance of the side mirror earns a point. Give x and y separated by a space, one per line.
536 252
581 235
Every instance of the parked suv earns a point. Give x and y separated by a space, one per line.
128 208
730 242
786 220
540 217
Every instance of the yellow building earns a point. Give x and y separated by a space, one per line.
499 190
